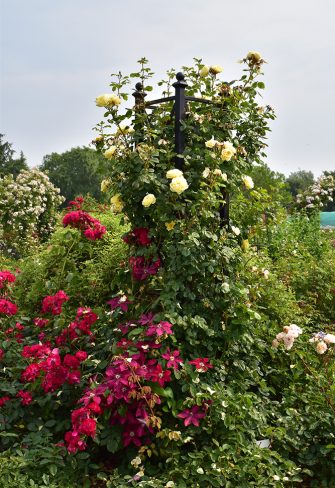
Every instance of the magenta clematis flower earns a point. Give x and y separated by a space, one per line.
192 415
173 359
201 364
159 329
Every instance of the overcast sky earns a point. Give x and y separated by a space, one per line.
57 56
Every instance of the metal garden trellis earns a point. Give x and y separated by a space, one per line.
180 100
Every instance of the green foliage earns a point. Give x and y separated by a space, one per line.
299 181
75 172
227 291
9 165
88 273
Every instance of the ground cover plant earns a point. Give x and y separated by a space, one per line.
157 346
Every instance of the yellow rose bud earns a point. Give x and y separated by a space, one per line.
170 225
117 203
254 56
173 173
204 71
248 182
178 185
105 184
215 69
107 100
109 153
148 200
245 245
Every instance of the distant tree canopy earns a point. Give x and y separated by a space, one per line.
272 181
8 164
75 172
299 181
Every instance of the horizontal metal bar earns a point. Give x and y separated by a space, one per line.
159 100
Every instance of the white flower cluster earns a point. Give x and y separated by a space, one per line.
28 205
319 194
322 341
287 336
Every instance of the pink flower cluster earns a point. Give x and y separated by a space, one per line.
125 394
142 267
287 336
138 237
53 303
7 307
15 332
85 318
90 227
322 341
76 203
6 277
54 370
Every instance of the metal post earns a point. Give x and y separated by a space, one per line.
224 209
180 111
139 96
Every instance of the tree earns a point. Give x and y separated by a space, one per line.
272 181
75 172
299 181
9 165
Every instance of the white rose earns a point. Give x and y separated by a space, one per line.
218 172
178 185
148 200
173 173
206 172
329 339
248 182
236 230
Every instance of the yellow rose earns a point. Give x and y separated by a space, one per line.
117 203
105 184
204 71
215 69
245 245
125 128
173 173
248 183
254 56
107 100
178 185
211 143
218 172
170 225
109 153
228 151
148 200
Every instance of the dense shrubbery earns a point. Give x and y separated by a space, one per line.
173 351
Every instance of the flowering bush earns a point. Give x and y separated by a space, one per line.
319 195
170 370
28 209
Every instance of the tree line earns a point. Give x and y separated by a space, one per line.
79 171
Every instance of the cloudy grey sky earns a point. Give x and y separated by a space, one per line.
57 55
